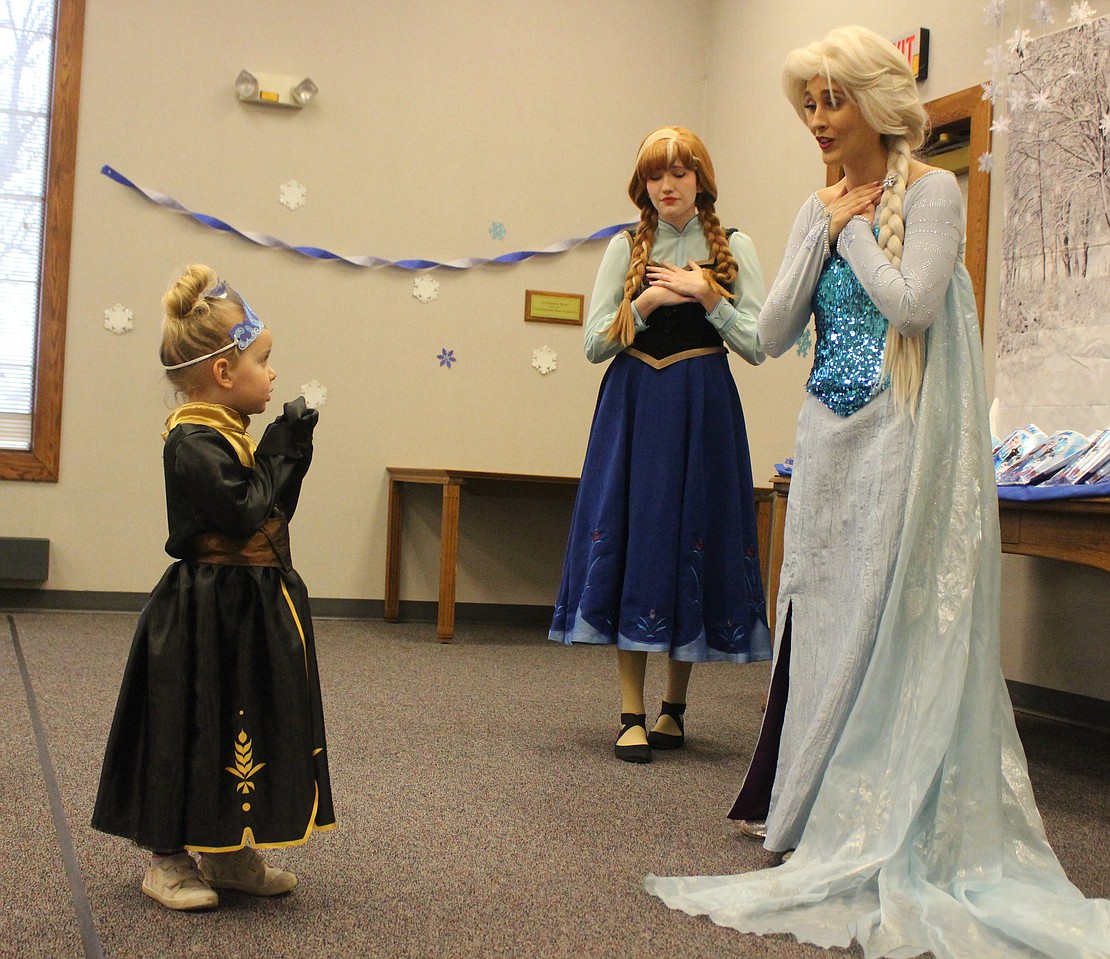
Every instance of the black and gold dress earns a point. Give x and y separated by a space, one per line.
218 736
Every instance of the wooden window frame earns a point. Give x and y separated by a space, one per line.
41 462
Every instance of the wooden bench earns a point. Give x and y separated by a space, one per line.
453 482
503 484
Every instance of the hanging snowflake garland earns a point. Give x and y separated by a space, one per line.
986 161
544 359
118 319
1019 41
292 194
1081 14
1042 13
425 288
315 394
1001 125
998 59
993 11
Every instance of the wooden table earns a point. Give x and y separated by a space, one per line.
1072 530
453 482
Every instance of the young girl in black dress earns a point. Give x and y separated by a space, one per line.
217 746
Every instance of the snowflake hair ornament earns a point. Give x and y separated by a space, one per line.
544 359
315 394
118 319
425 288
292 194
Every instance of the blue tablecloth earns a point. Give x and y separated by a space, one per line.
1020 493
1030 493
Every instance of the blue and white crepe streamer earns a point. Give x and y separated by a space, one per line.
315 252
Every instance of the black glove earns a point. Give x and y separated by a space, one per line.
302 421
291 432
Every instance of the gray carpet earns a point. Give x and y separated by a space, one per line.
481 812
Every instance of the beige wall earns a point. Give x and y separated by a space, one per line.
433 120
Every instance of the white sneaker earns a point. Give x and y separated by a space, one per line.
176 884
245 871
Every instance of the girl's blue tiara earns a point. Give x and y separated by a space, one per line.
242 334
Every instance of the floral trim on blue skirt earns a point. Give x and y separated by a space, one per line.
662 554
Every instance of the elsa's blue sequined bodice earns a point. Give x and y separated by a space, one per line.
851 337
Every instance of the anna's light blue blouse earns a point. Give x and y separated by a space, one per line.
735 320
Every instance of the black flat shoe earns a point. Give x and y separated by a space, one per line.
639 752
669 740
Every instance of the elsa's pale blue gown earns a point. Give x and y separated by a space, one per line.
900 777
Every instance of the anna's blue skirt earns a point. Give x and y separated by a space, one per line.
662 554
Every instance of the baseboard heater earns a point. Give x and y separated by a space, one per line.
24 560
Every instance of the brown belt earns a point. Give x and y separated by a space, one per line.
674 357
268 547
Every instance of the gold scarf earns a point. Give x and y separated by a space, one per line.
229 424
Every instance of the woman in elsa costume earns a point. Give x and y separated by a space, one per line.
888 760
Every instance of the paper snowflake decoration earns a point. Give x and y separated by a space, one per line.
1001 125
1015 100
805 341
1081 13
425 289
1042 13
986 161
998 58
992 12
292 194
447 357
991 90
1019 41
497 230
118 319
544 359
315 394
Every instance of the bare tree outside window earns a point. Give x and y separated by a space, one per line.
40 60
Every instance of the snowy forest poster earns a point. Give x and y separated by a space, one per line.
1053 364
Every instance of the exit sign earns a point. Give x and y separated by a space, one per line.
915 48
